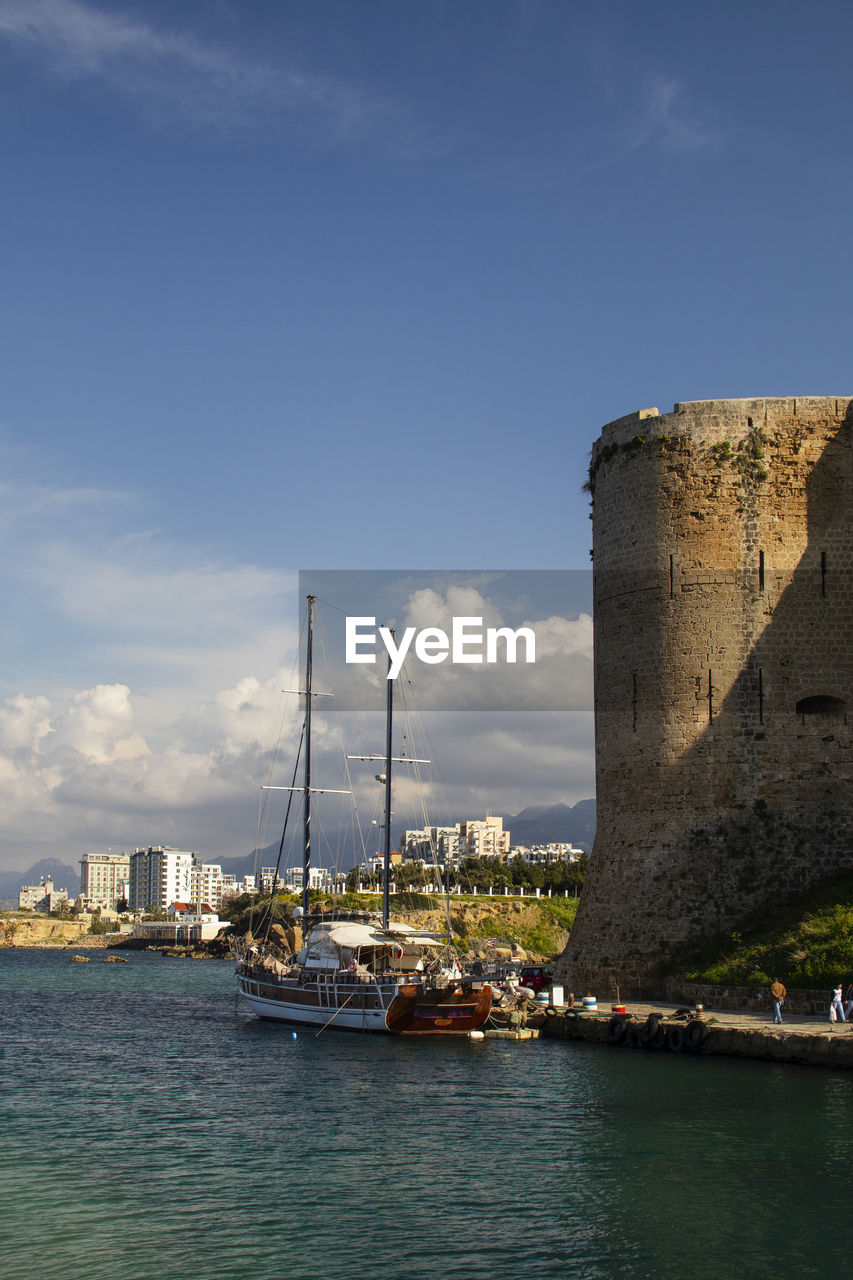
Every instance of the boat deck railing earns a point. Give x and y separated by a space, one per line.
297 976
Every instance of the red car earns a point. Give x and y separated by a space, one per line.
536 977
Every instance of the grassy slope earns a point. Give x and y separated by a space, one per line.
540 925
808 943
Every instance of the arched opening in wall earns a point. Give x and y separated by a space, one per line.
822 706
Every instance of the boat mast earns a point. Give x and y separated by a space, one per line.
388 759
306 862
309 693
389 715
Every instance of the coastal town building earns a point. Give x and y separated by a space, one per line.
269 881
483 838
232 887
104 880
160 876
473 838
429 844
542 855
318 878
208 884
186 924
41 897
188 910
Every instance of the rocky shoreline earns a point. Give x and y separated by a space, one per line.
49 932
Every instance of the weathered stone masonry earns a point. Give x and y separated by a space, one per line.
723 566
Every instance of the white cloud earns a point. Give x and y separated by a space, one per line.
145 588
669 120
171 74
24 722
177 734
561 675
83 768
98 727
143 695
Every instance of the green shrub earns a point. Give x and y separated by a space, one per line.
809 944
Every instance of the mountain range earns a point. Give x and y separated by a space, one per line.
556 823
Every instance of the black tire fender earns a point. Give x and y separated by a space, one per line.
632 1038
675 1039
658 1041
650 1028
616 1029
550 1012
694 1035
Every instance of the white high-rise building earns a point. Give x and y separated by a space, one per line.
160 876
209 884
104 879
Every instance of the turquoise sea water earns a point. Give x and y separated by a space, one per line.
152 1131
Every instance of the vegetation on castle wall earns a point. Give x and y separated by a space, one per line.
608 451
747 458
809 944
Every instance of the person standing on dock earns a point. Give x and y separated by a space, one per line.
778 992
836 1009
848 1008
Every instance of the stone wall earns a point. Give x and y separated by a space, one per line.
804 1001
723 565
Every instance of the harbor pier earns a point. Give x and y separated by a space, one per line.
659 1027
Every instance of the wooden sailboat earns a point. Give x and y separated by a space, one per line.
353 975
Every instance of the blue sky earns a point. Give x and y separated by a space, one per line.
355 285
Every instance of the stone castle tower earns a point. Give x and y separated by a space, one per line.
723 587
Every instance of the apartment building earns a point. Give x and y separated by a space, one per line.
41 897
474 838
426 843
483 838
160 876
544 854
104 880
270 882
318 878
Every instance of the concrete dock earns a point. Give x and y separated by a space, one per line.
800 1039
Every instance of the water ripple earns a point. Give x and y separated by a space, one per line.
151 1131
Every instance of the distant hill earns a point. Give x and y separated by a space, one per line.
245 866
64 877
541 824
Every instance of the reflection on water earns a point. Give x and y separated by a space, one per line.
151 1131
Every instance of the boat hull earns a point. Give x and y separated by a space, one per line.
371 1007
455 1010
